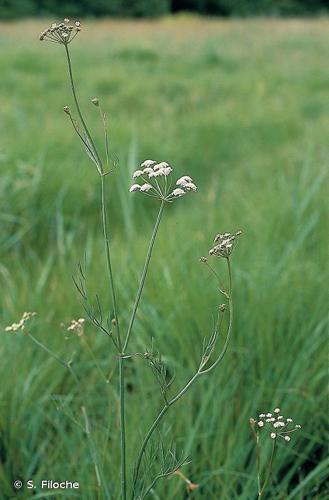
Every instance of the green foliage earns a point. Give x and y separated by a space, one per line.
244 107
251 7
10 9
131 8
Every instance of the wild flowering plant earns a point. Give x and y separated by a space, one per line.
272 426
156 180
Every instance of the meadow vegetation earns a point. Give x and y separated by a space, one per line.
243 107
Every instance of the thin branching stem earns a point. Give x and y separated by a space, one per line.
83 123
229 330
110 273
173 400
144 273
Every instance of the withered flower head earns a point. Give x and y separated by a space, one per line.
62 33
223 244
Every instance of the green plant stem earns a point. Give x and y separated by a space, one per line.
155 425
108 258
258 463
144 273
229 330
83 123
48 351
110 273
185 388
121 361
268 470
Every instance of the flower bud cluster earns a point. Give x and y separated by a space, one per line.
223 244
62 33
157 181
278 425
21 324
77 326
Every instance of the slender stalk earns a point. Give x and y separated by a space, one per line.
155 425
121 361
144 273
227 340
200 372
122 429
108 258
268 470
48 351
78 107
258 463
110 273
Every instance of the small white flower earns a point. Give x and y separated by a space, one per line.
273 435
178 192
276 424
280 417
147 170
260 424
153 174
289 420
137 173
183 180
298 426
287 438
146 187
268 420
277 410
159 172
148 163
167 171
135 187
262 415
161 165
268 415
190 186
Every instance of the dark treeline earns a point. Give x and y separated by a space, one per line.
10 9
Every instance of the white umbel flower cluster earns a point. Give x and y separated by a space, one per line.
77 326
277 424
15 327
62 33
156 180
223 244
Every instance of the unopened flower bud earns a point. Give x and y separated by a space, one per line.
66 110
95 101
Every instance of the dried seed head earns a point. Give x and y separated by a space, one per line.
62 33
223 246
66 110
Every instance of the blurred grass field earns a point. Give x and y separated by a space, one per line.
243 106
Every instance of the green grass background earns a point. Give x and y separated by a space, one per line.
243 107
